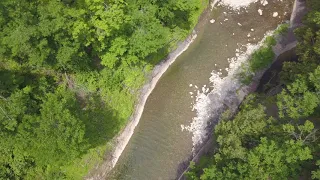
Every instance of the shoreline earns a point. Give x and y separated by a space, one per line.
286 43
122 139
119 142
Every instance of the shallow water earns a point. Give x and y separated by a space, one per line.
158 145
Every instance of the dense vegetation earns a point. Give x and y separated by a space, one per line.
274 135
70 72
259 60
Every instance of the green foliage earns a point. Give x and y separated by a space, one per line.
192 173
232 134
58 130
79 167
245 74
282 29
259 60
308 47
301 97
70 73
267 160
316 174
252 145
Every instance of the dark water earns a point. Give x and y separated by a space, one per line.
158 145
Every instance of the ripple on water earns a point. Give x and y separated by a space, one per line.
158 145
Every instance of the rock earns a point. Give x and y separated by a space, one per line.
275 14
264 2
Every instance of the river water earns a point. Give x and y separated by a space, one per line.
158 145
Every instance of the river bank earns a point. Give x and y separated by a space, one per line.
236 94
120 142
124 137
158 145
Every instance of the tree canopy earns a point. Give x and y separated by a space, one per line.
70 72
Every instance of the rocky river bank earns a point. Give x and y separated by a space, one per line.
285 45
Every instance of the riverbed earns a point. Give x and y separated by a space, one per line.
158 145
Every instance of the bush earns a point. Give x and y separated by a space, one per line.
259 60
282 29
262 58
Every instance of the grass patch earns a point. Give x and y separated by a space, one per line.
259 60
81 166
262 57
282 29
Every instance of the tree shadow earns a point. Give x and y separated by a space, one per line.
271 78
161 54
101 122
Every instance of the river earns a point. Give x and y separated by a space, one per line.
158 145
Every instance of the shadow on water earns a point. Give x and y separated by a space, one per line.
182 166
201 152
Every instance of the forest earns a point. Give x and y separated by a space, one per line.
70 73
274 135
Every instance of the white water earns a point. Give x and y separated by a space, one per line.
237 4
224 91
158 71
123 138
203 101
